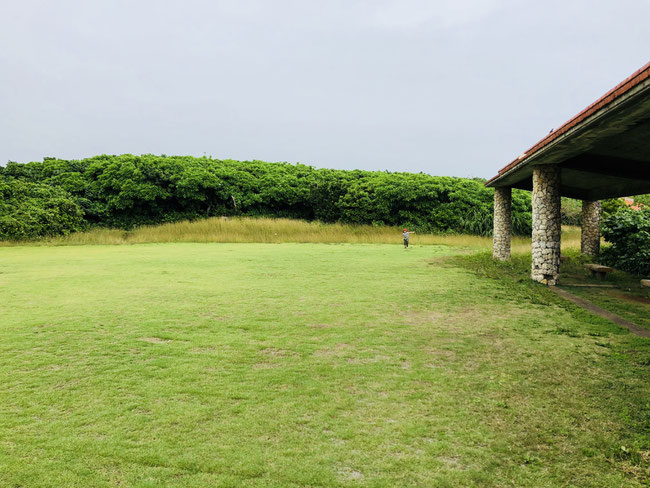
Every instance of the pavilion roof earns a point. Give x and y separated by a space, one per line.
604 150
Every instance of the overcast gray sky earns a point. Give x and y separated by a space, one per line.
447 87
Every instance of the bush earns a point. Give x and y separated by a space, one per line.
126 191
629 233
612 206
571 211
33 210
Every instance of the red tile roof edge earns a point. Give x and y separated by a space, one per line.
620 89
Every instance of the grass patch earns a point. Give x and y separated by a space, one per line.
621 293
626 297
307 365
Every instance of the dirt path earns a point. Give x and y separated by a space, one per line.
618 320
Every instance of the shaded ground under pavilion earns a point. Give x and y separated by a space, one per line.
603 152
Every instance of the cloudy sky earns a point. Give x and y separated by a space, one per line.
446 87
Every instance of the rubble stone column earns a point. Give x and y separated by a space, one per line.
547 224
502 223
590 239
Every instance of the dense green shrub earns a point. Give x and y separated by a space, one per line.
32 210
124 191
629 233
612 206
571 211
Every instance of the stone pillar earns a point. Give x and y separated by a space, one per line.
590 241
547 224
502 223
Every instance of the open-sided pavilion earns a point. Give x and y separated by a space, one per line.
603 152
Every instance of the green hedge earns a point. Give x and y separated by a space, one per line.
127 190
31 210
629 233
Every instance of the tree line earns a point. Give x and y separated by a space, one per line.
58 196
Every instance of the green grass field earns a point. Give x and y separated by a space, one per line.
259 365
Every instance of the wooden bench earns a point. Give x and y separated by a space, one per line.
599 270
645 282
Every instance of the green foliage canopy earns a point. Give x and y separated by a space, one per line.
571 211
127 190
31 210
629 233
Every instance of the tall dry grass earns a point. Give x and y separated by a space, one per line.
267 230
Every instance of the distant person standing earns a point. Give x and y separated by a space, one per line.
405 235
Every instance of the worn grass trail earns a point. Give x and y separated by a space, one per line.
304 365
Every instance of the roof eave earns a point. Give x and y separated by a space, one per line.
624 91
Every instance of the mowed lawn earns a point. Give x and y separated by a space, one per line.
305 365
